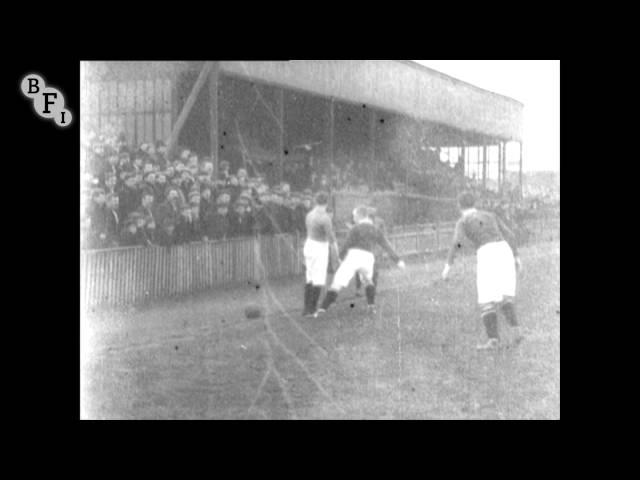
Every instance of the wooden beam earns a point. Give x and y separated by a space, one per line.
520 174
484 166
502 175
281 147
331 131
499 166
372 147
504 161
214 77
186 109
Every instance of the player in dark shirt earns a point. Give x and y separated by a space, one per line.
358 258
379 223
497 263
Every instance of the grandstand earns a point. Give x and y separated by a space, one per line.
392 134
275 115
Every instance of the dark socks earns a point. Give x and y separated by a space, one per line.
509 312
491 324
329 299
370 290
308 296
315 296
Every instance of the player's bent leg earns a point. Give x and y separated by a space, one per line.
341 279
489 315
329 299
316 290
358 285
308 293
508 309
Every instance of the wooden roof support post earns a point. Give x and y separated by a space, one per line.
214 77
504 161
520 174
281 148
332 120
372 147
500 179
184 114
484 166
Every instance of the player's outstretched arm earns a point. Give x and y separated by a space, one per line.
384 243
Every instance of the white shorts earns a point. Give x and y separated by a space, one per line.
356 261
496 273
316 261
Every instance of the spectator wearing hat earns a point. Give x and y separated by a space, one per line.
97 213
112 222
142 233
224 174
110 183
243 178
165 235
185 154
151 231
187 182
130 236
194 203
207 169
129 195
170 208
161 155
110 167
176 181
194 169
216 226
138 161
185 229
124 165
275 212
160 186
146 205
193 160
206 202
240 222
262 222
233 187
148 182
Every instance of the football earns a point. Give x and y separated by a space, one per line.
253 312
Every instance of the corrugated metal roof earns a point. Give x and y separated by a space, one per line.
401 86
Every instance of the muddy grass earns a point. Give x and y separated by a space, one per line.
200 358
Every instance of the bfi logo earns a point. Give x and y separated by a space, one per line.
48 101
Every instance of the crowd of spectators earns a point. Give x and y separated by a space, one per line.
515 210
140 197
387 175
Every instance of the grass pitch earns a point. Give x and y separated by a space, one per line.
200 358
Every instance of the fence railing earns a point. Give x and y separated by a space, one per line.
131 275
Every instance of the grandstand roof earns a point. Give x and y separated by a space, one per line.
399 86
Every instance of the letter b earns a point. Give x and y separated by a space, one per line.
32 85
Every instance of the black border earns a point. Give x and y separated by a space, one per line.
50 280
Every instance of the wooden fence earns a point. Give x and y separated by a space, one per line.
125 276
